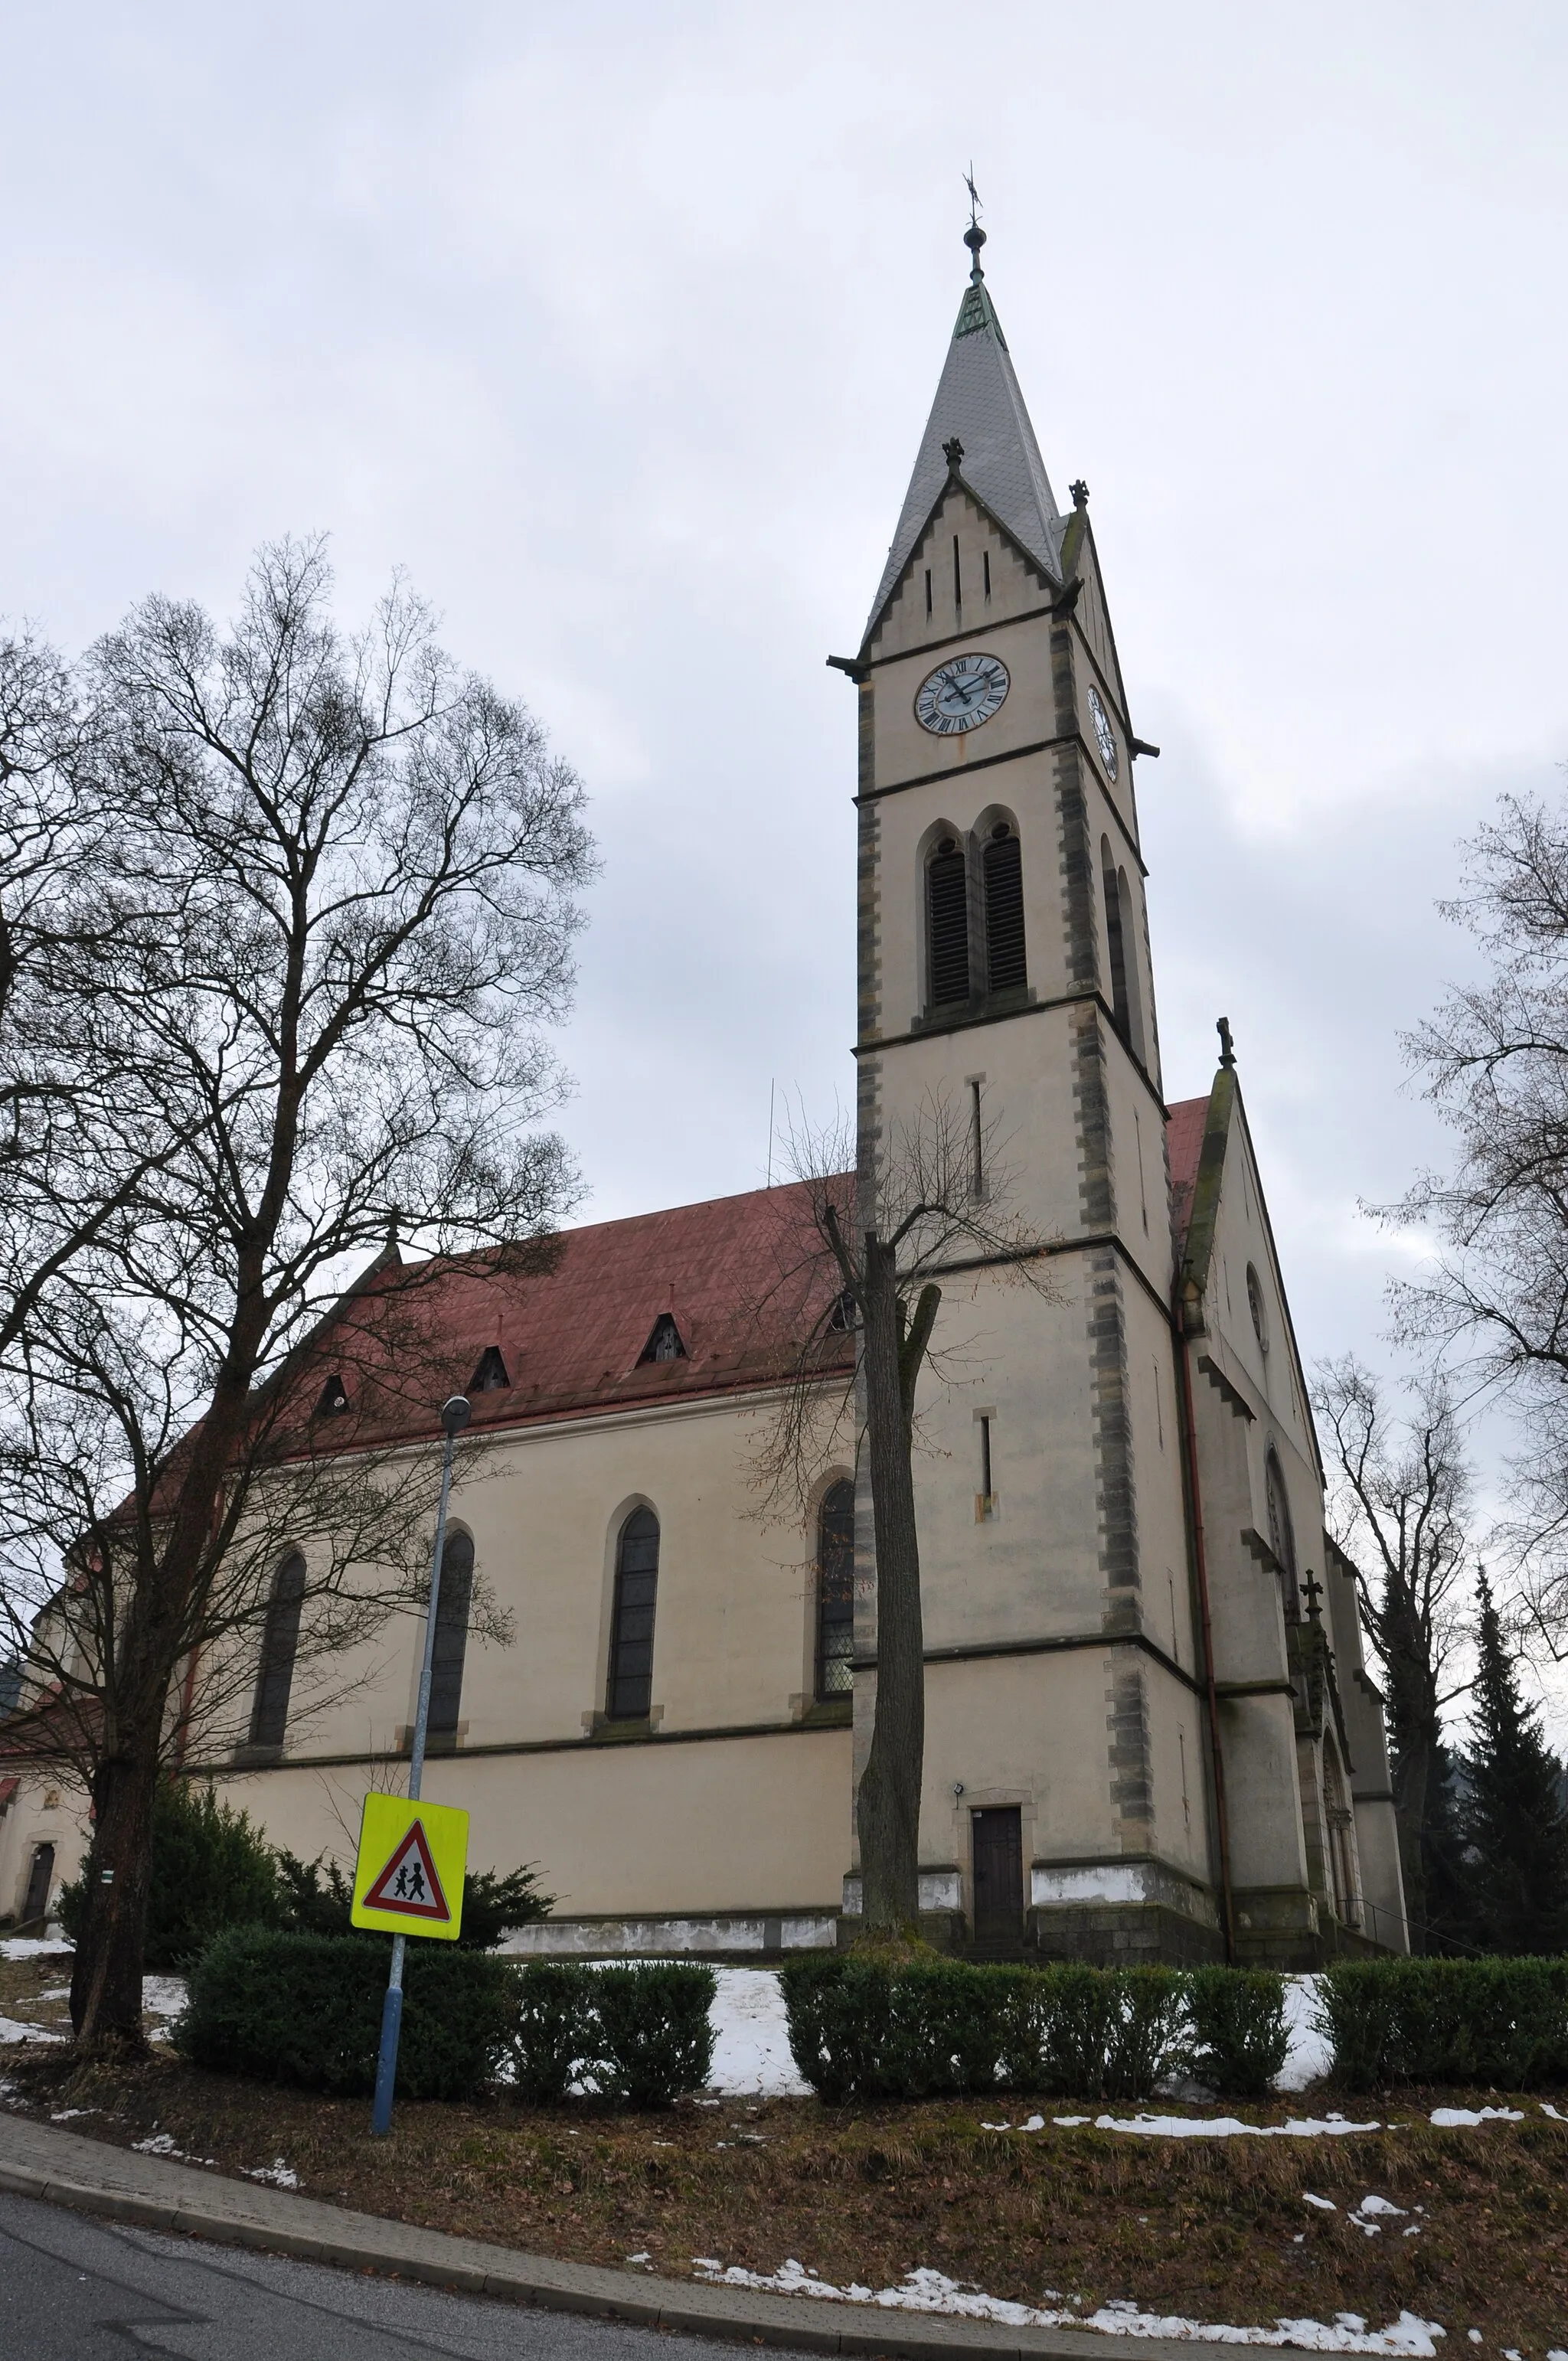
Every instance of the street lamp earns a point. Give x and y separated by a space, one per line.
454 1416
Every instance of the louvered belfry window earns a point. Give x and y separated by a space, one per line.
280 1645
632 1638
491 1376
1004 961
836 1591
947 923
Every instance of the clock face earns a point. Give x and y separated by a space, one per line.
1103 732
960 695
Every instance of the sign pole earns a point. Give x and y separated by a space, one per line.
454 1417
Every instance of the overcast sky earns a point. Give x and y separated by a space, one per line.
617 326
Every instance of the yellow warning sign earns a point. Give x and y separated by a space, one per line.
408 1877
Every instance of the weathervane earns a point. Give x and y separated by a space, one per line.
974 236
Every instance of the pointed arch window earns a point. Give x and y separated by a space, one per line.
452 1609
280 1646
1125 1001
836 1591
1281 1532
947 923
1002 865
631 1633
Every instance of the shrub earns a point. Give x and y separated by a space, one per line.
211 1869
1239 2034
307 2009
862 2029
1503 2023
652 2032
553 2039
317 1901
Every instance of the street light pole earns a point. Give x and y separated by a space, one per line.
454 1416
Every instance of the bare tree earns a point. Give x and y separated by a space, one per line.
1399 1502
867 1261
300 1002
1495 1061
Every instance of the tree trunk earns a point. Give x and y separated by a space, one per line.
105 1980
887 1808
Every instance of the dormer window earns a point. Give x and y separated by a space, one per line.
842 1317
490 1377
334 1397
664 1344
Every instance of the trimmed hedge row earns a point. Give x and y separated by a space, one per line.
1502 2023
639 2035
859 2029
306 2009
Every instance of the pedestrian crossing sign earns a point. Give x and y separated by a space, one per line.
408 1877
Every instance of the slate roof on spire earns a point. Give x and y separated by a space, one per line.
979 399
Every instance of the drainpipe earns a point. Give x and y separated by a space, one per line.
1200 1561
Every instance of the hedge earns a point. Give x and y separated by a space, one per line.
640 2034
861 2029
1500 2023
307 2009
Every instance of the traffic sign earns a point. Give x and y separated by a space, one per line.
409 1876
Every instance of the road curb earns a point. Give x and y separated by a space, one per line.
91 2177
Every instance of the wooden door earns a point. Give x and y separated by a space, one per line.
38 1877
998 1875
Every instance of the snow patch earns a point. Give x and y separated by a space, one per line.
162 2144
33 1946
1323 2204
277 2172
1229 2127
163 1995
930 2290
1310 2055
1448 2119
751 2054
11 2031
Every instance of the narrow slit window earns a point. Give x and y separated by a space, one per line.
1005 964
947 923
451 1609
1121 1005
836 1591
957 575
632 1636
665 1342
491 1376
977 1137
985 569
928 592
987 1487
280 1646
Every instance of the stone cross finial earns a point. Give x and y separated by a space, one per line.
1227 1046
1080 493
1311 1591
953 452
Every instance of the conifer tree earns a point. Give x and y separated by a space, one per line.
1514 1823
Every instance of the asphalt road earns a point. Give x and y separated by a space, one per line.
72 2289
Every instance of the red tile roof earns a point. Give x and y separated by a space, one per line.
7 1789
1184 1130
736 1274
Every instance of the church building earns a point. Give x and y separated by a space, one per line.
1149 1730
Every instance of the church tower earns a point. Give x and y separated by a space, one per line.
1149 1728
1004 974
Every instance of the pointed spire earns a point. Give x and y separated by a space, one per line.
979 405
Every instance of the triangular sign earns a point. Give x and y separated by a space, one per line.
409 1883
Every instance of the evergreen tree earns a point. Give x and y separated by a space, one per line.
1512 1818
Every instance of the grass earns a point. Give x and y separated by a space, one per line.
1214 2231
